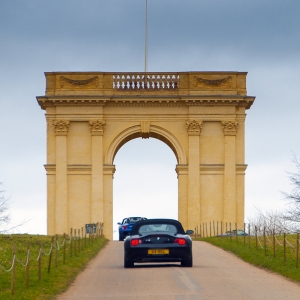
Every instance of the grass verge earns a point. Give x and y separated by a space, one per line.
258 256
51 284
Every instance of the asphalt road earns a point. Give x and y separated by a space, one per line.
216 274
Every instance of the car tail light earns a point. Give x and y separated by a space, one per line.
124 227
135 242
180 241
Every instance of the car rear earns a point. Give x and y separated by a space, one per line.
158 248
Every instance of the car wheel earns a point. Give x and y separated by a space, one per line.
121 237
128 263
188 262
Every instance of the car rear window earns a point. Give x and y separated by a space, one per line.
134 220
153 228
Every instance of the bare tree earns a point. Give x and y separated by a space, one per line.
292 212
4 212
5 225
286 220
270 221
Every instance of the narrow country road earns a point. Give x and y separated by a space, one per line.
216 274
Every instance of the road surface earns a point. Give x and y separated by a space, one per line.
216 274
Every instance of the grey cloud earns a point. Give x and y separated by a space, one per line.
266 29
261 37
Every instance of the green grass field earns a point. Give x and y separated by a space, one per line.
51 284
257 255
60 277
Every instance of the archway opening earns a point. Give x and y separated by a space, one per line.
145 182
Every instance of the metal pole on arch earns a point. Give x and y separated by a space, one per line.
146 38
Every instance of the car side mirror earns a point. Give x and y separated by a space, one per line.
119 223
189 231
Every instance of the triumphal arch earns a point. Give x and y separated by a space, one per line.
91 115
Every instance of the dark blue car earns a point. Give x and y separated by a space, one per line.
126 226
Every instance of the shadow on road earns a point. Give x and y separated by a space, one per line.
155 265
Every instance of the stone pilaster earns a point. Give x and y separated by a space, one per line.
108 171
51 178
194 129
97 131
182 175
61 199
230 205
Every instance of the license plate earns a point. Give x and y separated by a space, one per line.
158 251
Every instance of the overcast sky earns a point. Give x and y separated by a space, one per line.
259 37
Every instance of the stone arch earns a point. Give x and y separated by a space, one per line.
155 132
210 163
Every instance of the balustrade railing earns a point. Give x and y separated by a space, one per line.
145 81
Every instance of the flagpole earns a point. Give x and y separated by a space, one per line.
146 39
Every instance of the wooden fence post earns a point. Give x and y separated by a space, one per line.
256 244
82 245
284 247
214 227
28 264
265 242
217 228
230 232
226 230
297 250
13 270
75 235
274 246
244 234
236 233
40 262
56 250
71 241
64 254
249 234
94 232
91 232
79 241
221 229
50 255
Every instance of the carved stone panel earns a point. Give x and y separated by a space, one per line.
61 127
230 127
194 127
64 80
213 82
97 127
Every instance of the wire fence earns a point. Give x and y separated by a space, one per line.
264 238
77 242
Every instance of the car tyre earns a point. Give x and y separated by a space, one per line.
128 263
121 237
187 263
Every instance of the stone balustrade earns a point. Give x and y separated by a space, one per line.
139 81
192 88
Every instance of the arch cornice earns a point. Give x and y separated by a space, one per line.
155 132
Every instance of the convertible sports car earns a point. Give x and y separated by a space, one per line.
158 240
126 226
